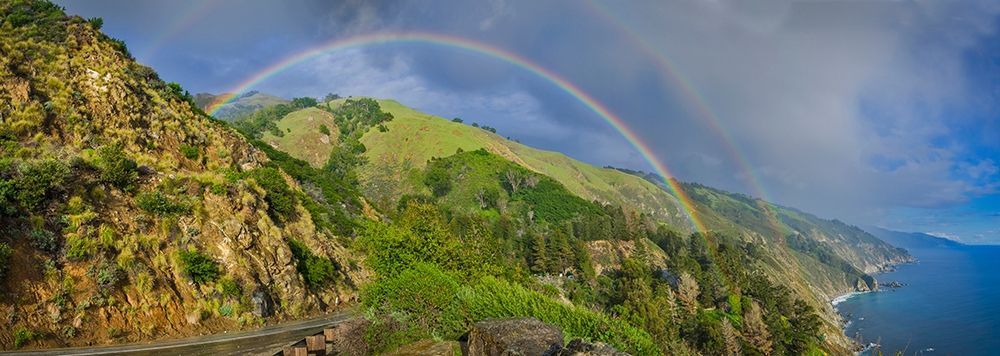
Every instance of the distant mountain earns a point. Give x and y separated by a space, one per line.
246 103
911 240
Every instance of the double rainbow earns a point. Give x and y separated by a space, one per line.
616 122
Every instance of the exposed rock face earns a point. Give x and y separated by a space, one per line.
517 336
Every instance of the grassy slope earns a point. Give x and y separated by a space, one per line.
414 137
302 137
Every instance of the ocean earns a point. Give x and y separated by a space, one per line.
950 305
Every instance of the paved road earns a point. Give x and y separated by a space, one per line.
263 341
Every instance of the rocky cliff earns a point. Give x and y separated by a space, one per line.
128 214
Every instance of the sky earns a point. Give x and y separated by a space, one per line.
873 112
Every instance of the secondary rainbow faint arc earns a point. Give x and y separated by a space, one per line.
465 44
688 90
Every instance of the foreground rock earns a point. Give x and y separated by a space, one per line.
518 336
528 336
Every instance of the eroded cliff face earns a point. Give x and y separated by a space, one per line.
109 177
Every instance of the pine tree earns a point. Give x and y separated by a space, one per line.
539 255
687 292
755 330
731 338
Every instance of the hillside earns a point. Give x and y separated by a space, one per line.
413 138
129 215
468 169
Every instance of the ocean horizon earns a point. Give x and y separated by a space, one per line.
949 304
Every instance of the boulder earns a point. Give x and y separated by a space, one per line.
514 336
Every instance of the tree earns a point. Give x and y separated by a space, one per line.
687 292
538 257
513 180
458 120
304 102
731 337
438 179
755 330
331 97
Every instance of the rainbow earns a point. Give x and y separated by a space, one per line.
468 45
688 90
179 24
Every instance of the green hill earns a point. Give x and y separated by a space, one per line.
816 258
413 138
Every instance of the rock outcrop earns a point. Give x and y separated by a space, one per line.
529 336
516 336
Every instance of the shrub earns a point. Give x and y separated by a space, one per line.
280 198
230 288
43 240
106 275
116 168
226 310
160 204
5 254
324 130
38 180
79 247
8 202
189 151
436 304
96 22
22 336
317 271
438 179
201 268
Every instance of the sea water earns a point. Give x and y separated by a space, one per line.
950 305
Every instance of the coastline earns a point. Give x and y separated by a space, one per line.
845 297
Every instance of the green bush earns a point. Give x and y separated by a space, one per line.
435 304
39 180
106 274
324 130
438 179
317 271
43 240
5 254
230 288
280 199
190 152
8 200
201 268
22 336
425 297
158 203
115 167
80 247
